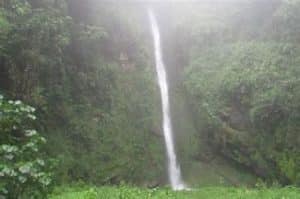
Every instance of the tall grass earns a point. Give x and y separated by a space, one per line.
164 193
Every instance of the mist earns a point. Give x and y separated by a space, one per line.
149 99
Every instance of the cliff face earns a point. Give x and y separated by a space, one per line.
201 163
125 62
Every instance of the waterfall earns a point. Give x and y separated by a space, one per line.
173 167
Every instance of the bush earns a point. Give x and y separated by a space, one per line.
23 170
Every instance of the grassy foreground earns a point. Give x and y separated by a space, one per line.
204 193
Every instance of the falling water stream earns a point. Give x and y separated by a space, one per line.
173 167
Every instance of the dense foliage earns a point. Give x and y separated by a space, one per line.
247 97
203 193
94 93
24 171
87 68
252 105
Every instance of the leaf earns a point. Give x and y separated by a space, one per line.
30 133
22 179
26 168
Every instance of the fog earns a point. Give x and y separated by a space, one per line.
198 99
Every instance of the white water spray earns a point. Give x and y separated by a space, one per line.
173 167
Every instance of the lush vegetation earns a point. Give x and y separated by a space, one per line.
247 95
87 69
251 105
209 192
97 113
24 171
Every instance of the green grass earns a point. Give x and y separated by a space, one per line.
204 193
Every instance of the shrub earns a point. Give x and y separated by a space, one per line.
23 170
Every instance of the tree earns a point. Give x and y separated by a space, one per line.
24 171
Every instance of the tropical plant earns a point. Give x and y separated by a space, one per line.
24 171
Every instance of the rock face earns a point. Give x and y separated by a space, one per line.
124 61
